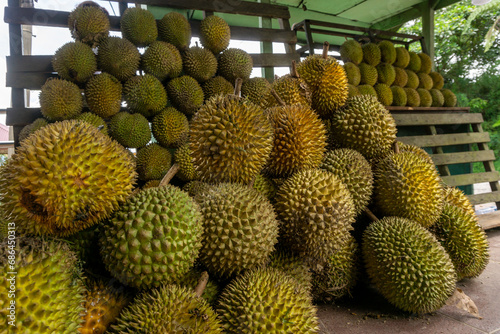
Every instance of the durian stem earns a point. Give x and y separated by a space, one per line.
237 86
278 98
396 147
371 215
326 47
293 71
170 174
202 284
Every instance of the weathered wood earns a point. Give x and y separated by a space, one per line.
462 157
414 119
466 179
27 80
29 64
443 169
275 60
493 196
446 139
16 48
489 220
412 109
22 116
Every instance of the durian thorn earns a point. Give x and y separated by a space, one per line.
395 147
278 98
293 70
170 174
326 47
237 86
250 185
202 284
371 215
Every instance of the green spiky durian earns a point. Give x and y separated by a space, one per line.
119 57
371 54
369 74
354 171
316 211
153 238
236 218
32 127
95 120
413 79
185 94
353 73
425 97
401 78
60 100
412 97
420 152
425 63
168 309
138 25
367 90
266 301
145 94
386 73
175 29
291 89
199 63
151 184
75 61
351 51
425 81
218 85
65 177
364 125
437 98
183 157
231 140
195 188
415 62
235 63
153 162
299 140
457 197
410 187
408 265
103 94
352 91
384 94
450 99
402 57
265 186
398 96
191 279
130 130
215 34
258 90
387 52
170 127
162 60
437 79
464 240
293 266
89 24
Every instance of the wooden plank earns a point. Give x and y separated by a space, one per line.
446 139
27 80
493 196
263 34
489 220
488 165
466 179
275 60
460 109
29 64
19 117
462 157
436 118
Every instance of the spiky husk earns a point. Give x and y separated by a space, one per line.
293 266
371 54
95 120
412 97
457 197
398 96
401 78
153 162
369 74
402 57
425 97
175 29
199 63
218 85
291 90
215 34
183 156
258 90
351 51
130 130
265 186
386 73
450 99
415 62
424 81
31 128
366 90
75 61
387 52
416 150
103 94
426 63
437 79
413 79
353 73
162 60
195 188
185 94
60 100
119 57
235 63
88 24
138 25
145 94
170 127
384 94
330 90
437 98
191 279
352 91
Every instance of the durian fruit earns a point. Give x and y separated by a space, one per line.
412 97
32 127
354 171
316 212
457 197
407 265
85 244
413 80
293 266
437 79
138 25
402 57
426 63
65 177
236 218
386 73
352 91
299 140
60 100
265 186
145 94
119 57
47 287
420 152
235 63
371 54
450 99
195 188
367 90
415 62
184 159
89 23
351 51
424 81
384 94
437 98
464 240
218 85
170 127
191 279
153 238
162 60
408 186
130 130
353 73
398 96
387 52
75 61
215 34
364 125
95 120
401 78
153 162
103 93
103 303
258 90
369 74
266 301
175 29
425 97
199 63
231 140
168 309
186 94
151 184
292 88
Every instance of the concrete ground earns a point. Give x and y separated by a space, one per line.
368 312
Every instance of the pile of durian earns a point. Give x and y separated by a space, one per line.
253 202
396 76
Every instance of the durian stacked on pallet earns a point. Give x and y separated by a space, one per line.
394 75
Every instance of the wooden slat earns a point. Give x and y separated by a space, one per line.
275 60
493 196
29 64
411 109
413 119
489 220
446 139
22 116
466 179
462 157
27 80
